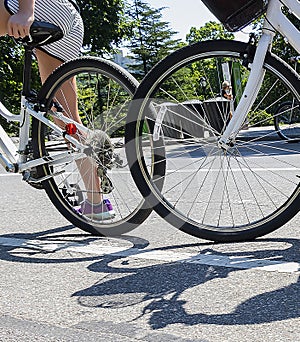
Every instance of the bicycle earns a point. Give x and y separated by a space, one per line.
221 182
287 120
287 115
62 156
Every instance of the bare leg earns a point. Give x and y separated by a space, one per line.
67 97
4 15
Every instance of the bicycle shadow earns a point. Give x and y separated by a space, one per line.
30 247
159 288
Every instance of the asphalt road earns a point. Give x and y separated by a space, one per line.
155 284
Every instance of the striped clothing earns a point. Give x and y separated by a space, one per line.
63 14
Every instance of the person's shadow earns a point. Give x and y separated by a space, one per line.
163 285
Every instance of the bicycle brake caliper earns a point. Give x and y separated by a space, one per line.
249 53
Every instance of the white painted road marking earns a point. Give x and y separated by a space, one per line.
238 262
10 174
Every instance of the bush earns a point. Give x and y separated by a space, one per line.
260 118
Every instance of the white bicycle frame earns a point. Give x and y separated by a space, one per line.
275 20
13 159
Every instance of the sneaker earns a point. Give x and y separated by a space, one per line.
101 211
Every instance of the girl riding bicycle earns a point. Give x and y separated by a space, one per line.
17 17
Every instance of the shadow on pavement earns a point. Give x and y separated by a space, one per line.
33 251
126 282
160 288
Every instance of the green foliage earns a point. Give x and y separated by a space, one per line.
203 69
104 100
280 46
260 118
10 72
11 75
104 26
211 30
108 23
151 38
104 23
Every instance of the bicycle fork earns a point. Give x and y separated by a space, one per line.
252 88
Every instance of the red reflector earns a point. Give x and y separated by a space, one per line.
71 128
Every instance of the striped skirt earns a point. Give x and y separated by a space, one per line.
63 14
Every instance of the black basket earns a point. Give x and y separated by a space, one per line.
236 14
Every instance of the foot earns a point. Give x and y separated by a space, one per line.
101 211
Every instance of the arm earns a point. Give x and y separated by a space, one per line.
19 24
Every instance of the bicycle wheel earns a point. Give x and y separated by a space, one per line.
287 120
239 194
103 92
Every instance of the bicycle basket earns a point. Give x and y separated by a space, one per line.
236 14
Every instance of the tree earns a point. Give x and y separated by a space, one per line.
104 22
11 67
196 72
105 26
151 38
280 45
211 30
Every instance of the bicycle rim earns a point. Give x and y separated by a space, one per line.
239 194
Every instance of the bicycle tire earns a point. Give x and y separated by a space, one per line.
260 190
287 121
65 187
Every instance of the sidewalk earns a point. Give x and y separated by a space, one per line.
259 133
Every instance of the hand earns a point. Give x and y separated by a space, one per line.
18 25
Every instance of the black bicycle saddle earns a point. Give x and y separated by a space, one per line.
42 33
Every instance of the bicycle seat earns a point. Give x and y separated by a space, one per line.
42 33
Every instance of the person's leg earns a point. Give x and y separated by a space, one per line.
68 93
47 64
4 15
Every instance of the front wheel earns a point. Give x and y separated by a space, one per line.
237 194
102 91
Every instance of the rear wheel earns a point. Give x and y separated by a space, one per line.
104 91
287 120
244 192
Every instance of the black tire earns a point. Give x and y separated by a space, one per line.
235 195
287 120
104 90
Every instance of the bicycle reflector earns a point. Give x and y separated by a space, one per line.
71 128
